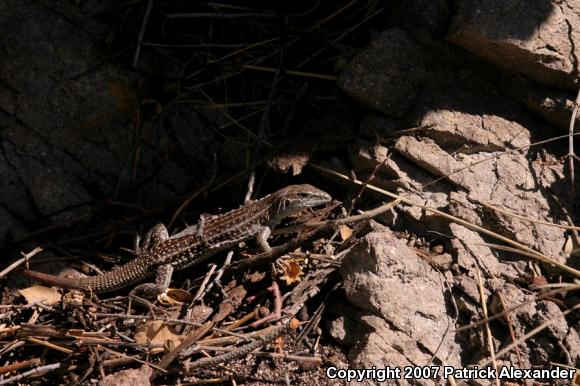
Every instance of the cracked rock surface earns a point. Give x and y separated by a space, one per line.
67 137
457 133
403 303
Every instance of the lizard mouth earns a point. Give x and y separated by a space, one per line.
320 200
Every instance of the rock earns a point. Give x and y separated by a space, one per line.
464 125
68 139
572 344
129 377
392 173
505 181
455 118
468 300
471 255
405 301
378 78
535 39
531 313
346 330
425 20
553 105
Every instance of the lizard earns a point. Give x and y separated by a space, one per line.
162 254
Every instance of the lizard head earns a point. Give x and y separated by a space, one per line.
293 199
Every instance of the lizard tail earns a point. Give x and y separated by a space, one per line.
121 277
57 281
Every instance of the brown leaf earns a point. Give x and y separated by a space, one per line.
292 271
39 293
345 232
294 324
293 162
568 246
157 333
175 296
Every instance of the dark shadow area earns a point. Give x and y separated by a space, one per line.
241 82
115 116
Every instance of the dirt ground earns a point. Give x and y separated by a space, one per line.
444 132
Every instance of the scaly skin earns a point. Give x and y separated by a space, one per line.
254 220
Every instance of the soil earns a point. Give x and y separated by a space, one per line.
115 116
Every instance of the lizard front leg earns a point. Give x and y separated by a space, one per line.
156 235
163 275
262 239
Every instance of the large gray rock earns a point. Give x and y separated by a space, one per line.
534 38
406 305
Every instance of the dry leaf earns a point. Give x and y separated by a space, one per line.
568 246
39 293
292 271
345 232
294 324
175 296
157 333
293 162
279 344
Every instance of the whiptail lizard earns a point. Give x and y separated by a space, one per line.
163 254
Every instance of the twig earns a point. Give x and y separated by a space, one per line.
265 119
251 182
502 314
201 293
241 351
26 374
491 157
571 145
277 313
368 181
187 342
49 345
197 15
145 318
483 301
265 354
348 31
550 224
18 262
330 259
142 32
346 220
20 365
448 326
315 320
13 346
533 253
121 355
533 332
196 194
509 323
293 72
401 132
240 322
238 52
200 290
